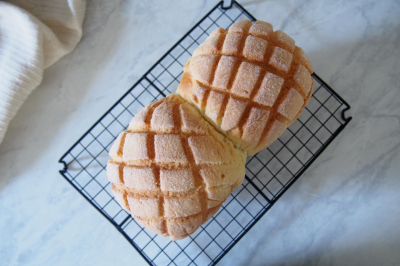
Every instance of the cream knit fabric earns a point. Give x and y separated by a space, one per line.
34 34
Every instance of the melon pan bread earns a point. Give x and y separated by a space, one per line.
171 169
249 82
182 156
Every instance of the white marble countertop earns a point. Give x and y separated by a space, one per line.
344 209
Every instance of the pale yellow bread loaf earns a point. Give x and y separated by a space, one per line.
171 169
181 156
249 82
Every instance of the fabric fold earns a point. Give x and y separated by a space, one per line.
34 34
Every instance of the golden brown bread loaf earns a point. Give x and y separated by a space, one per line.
182 155
171 169
249 82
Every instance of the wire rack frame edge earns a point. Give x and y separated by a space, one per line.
259 188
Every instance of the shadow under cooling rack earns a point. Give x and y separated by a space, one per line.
268 174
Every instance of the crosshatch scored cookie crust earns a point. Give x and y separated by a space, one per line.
249 82
172 170
182 156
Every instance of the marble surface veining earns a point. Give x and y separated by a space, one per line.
344 209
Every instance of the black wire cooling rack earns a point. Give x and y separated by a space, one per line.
269 173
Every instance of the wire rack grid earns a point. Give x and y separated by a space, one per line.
268 174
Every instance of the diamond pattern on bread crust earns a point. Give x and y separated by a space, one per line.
171 169
249 82
181 157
